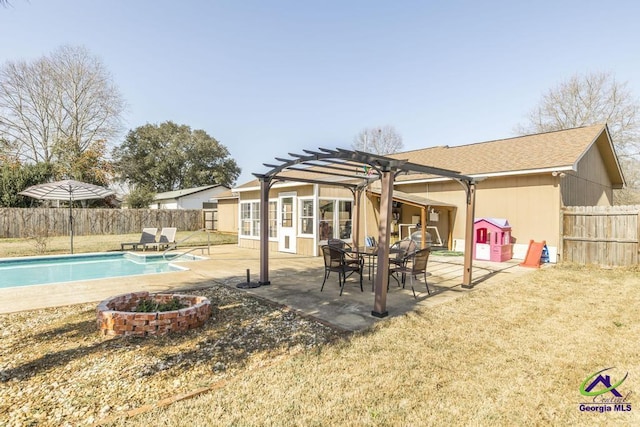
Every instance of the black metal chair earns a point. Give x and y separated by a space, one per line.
350 257
418 267
335 260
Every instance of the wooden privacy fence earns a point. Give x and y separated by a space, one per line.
30 222
601 235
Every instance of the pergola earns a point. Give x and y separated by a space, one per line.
355 170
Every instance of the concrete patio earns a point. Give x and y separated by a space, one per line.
295 283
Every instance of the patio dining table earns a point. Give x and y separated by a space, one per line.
370 255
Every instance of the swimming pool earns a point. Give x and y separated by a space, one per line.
15 272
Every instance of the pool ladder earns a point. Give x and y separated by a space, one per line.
174 245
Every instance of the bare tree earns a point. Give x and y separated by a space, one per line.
586 100
591 99
66 97
378 140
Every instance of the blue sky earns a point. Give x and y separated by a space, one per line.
270 77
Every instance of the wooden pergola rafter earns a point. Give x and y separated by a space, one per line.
355 170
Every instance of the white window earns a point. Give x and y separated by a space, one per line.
250 219
344 219
306 217
335 219
273 219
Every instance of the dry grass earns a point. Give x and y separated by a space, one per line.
508 354
102 243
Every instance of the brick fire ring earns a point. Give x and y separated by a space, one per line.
115 315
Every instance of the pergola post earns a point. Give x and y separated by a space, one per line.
423 227
355 229
384 226
264 232
468 235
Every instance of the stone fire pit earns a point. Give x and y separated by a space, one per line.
115 316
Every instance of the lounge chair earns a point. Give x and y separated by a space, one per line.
167 238
148 236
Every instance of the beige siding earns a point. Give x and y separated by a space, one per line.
228 215
590 185
305 246
335 192
255 244
531 204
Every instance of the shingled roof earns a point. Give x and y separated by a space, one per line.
559 150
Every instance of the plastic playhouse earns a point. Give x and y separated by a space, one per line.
492 240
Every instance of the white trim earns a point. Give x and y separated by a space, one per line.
250 202
313 215
277 185
490 175
316 201
291 232
336 217
251 237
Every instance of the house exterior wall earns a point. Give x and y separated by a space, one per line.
194 201
165 204
189 201
228 215
305 244
530 203
590 184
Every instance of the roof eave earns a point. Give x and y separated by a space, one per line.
479 176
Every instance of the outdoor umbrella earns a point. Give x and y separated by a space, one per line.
67 190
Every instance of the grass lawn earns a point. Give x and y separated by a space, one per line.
513 353
509 354
102 243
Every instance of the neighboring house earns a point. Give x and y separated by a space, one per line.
189 198
227 203
525 180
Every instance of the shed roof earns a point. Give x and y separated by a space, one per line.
227 194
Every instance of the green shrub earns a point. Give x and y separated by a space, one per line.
150 305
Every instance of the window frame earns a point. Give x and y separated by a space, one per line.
301 202
335 221
253 219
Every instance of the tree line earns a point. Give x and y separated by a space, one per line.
59 117
61 113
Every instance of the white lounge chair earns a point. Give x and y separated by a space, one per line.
148 236
167 238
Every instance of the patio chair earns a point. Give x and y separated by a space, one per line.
350 257
401 249
167 238
148 236
334 260
418 266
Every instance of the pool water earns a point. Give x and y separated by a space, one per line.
70 268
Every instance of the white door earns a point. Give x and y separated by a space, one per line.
287 223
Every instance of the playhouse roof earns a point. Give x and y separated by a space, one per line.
498 222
